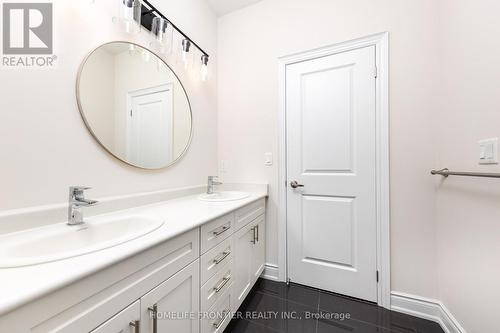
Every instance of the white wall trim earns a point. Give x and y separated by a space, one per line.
271 272
426 308
381 43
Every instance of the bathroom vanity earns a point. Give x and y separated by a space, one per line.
181 264
188 275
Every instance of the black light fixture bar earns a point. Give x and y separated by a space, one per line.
147 21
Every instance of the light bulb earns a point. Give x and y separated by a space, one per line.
146 55
131 49
129 15
159 29
204 67
186 45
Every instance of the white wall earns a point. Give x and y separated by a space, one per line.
45 146
468 209
250 42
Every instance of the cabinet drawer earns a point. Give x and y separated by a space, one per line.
247 214
219 315
215 259
214 288
216 231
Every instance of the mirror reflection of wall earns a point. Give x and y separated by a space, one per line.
134 105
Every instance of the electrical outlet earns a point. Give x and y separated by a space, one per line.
223 166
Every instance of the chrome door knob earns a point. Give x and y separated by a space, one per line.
295 184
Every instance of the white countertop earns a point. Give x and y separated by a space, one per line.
19 286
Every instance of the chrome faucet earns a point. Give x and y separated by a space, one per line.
212 181
76 202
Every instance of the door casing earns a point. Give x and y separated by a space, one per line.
381 43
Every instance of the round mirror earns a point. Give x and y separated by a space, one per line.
134 105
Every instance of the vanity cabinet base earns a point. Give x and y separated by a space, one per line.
189 284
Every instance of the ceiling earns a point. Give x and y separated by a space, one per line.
223 7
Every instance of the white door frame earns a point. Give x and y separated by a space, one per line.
381 43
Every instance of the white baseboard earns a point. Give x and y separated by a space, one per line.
271 272
427 309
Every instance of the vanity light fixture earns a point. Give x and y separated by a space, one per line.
204 67
150 15
129 15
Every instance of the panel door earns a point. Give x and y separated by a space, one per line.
174 305
331 152
259 248
150 137
242 266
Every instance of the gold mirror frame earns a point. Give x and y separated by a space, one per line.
82 113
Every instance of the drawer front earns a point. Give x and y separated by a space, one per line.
216 231
218 317
247 214
217 286
215 259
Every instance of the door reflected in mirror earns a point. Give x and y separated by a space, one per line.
134 105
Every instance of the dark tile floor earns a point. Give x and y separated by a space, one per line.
275 307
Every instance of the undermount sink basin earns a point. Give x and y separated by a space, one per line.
60 241
224 196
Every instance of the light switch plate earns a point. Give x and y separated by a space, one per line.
488 151
268 159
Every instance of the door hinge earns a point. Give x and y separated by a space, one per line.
131 113
377 277
375 72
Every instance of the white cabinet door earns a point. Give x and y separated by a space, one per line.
243 275
174 305
127 321
259 248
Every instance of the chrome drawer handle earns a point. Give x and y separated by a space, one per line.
224 255
254 235
222 284
136 325
217 325
223 230
154 314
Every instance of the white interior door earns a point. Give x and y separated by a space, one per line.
331 150
150 127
